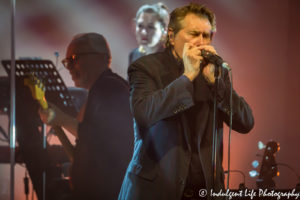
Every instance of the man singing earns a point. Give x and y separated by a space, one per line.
172 102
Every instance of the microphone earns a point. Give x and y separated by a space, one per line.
214 59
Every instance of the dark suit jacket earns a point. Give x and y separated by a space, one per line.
160 98
104 147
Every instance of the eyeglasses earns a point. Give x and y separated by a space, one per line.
70 61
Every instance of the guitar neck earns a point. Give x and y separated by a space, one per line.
37 90
68 147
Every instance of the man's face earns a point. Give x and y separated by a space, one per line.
81 68
194 29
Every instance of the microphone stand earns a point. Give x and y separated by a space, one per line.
218 63
215 132
12 120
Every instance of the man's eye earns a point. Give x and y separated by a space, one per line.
206 36
73 58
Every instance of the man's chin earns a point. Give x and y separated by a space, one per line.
79 84
76 83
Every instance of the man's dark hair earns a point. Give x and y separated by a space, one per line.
179 14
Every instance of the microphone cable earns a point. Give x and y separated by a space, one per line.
243 184
218 61
290 168
230 126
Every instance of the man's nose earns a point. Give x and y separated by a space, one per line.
70 66
199 40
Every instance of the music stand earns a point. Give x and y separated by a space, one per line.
56 91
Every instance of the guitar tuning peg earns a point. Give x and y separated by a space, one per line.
255 163
261 145
253 173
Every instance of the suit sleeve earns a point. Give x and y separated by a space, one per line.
242 118
150 104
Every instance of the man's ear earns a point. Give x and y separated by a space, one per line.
171 36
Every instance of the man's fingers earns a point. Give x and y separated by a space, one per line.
185 47
51 115
47 115
51 105
208 48
41 113
197 57
192 51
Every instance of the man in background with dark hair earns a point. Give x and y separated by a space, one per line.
172 103
104 126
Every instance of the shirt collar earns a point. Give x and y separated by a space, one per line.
178 62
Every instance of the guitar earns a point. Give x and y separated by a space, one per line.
37 89
268 168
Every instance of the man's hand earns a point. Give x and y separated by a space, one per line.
52 116
191 60
209 73
209 70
